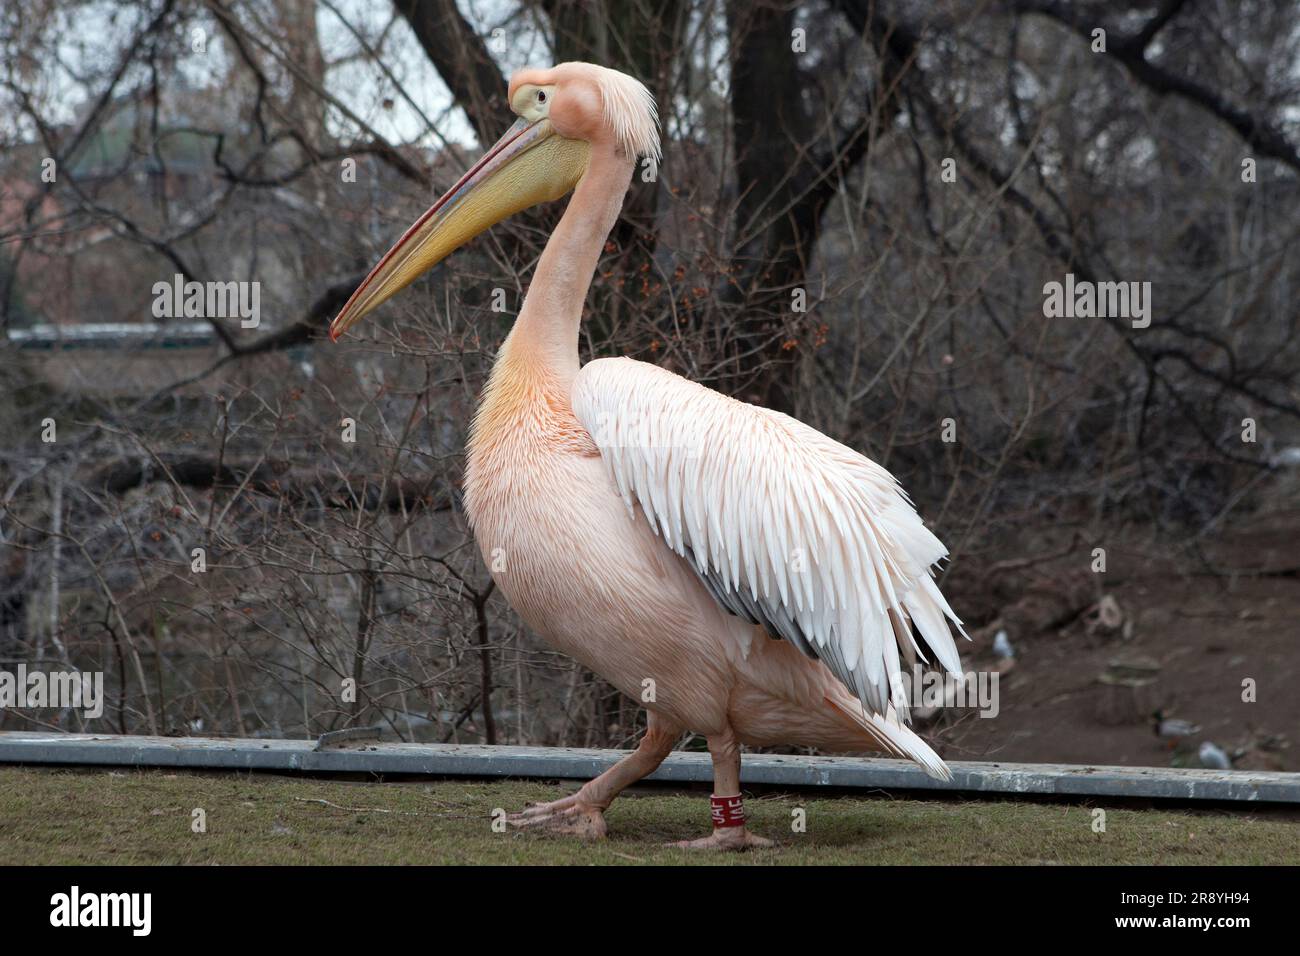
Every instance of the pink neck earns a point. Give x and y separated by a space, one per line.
547 328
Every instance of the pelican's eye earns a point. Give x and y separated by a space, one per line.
541 96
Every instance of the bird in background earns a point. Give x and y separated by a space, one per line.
1173 730
743 575
1213 757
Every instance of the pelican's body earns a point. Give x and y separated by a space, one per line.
598 584
739 573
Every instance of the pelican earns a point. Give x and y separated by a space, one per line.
741 574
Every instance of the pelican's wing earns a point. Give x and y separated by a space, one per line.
785 526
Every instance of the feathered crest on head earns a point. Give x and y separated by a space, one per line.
630 111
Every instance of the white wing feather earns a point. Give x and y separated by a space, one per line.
784 525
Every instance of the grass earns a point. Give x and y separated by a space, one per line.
144 817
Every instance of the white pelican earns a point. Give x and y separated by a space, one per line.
745 576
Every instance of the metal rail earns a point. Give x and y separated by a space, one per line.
469 760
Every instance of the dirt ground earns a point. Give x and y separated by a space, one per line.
1202 622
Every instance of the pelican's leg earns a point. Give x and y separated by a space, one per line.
729 831
583 813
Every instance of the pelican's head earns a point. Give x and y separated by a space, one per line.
563 114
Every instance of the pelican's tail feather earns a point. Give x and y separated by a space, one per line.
894 737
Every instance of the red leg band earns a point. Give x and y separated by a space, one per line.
727 811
